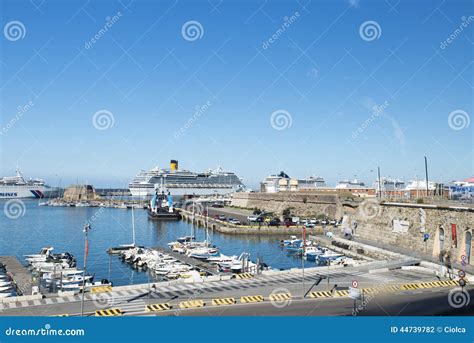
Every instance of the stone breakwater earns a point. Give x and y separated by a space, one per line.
228 228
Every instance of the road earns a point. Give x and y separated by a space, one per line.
238 214
133 301
407 304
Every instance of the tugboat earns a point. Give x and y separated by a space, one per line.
161 207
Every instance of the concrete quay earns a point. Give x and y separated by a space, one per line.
22 278
319 290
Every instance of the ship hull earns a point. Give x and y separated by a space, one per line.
19 192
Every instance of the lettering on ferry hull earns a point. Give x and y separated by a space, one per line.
8 194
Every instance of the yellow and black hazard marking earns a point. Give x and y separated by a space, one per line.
223 301
101 289
251 299
280 296
244 276
390 288
343 293
109 313
321 294
157 307
191 304
409 287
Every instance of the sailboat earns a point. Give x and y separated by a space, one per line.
123 247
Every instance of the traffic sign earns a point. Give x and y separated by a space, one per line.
462 273
355 284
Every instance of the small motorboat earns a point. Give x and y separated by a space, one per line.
328 257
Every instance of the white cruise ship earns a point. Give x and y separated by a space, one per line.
18 187
389 184
184 182
282 182
346 184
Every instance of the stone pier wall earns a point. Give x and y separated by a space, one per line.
424 229
302 204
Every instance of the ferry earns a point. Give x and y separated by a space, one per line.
14 187
184 182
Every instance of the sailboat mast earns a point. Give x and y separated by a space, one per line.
193 233
133 226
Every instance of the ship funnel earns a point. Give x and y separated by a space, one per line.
174 165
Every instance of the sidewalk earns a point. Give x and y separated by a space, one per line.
400 250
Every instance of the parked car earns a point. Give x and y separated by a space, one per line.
260 219
252 218
221 217
310 225
274 222
332 222
324 222
233 221
217 205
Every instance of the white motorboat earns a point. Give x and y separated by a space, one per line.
74 279
203 253
221 258
43 252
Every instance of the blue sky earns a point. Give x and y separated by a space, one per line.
208 100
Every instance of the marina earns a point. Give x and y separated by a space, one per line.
113 227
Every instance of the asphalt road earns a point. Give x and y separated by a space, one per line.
408 304
238 214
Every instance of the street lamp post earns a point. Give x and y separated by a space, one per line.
87 227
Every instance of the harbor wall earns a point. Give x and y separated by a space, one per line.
437 231
228 228
301 203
